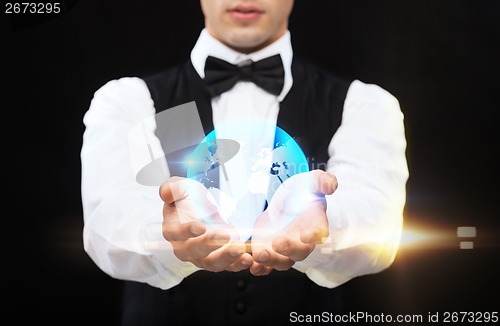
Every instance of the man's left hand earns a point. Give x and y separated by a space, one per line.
294 222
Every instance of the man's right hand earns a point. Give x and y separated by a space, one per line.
188 205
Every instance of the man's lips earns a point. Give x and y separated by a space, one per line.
245 13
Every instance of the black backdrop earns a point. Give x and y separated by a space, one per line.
439 58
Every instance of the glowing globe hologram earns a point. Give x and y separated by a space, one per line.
288 159
284 160
253 174
210 154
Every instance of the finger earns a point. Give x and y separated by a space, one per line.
322 183
186 199
178 188
172 190
304 188
257 269
181 232
317 230
244 262
221 259
295 250
314 236
174 230
270 258
200 247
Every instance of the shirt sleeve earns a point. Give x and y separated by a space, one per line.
123 218
368 156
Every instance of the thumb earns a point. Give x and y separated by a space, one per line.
323 183
178 188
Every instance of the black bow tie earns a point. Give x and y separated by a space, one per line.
221 76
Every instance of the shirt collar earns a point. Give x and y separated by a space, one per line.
207 45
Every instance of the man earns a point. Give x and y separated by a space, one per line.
346 222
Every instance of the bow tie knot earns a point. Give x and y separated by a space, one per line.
221 76
245 72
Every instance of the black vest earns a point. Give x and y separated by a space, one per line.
311 113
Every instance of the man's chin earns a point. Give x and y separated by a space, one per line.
247 41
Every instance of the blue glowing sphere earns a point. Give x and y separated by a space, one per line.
268 165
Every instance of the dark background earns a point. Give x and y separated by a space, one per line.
439 58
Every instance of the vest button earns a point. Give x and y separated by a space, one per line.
241 285
240 307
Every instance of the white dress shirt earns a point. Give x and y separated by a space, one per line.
122 218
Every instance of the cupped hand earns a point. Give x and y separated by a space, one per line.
194 227
294 222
